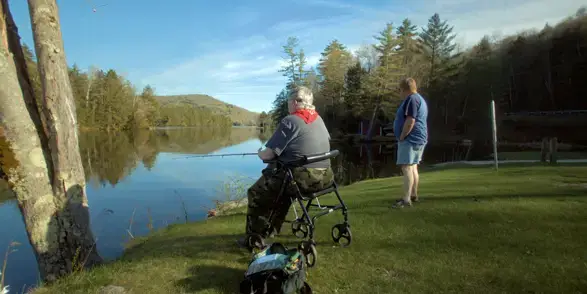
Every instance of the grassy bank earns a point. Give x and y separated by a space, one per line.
476 231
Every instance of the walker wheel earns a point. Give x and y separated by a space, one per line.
342 231
309 251
255 241
298 227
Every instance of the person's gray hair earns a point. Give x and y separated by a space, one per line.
304 97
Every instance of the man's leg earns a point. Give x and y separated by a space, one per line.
416 177
419 150
261 196
281 211
404 160
309 180
407 170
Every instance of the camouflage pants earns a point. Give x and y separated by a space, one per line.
263 193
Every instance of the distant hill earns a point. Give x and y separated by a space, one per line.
238 115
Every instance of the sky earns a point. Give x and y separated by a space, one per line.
232 50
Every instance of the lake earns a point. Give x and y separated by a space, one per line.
149 177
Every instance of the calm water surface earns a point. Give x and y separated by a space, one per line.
150 174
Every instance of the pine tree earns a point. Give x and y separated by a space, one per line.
382 83
407 29
355 101
387 46
408 50
280 107
295 62
383 80
294 71
302 73
437 42
332 68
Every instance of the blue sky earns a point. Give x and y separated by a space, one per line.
232 49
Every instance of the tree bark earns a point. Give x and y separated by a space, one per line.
14 47
76 241
23 160
42 170
57 95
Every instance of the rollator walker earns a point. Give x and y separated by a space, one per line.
304 226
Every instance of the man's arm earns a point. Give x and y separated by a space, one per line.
408 126
266 154
410 113
284 133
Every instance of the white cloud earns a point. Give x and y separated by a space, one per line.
245 72
313 60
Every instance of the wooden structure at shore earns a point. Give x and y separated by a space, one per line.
550 127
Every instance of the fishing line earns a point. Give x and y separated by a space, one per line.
216 155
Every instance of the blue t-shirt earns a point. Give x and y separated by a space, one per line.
416 107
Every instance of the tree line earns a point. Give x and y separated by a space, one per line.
106 100
535 70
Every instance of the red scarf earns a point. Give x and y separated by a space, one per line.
308 115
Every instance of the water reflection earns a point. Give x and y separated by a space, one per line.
367 161
110 157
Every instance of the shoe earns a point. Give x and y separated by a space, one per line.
242 242
415 199
400 203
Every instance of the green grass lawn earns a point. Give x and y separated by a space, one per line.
522 230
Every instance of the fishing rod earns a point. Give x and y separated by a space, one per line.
217 155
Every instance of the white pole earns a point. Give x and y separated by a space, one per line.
494 130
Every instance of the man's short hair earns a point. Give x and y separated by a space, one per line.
304 96
408 84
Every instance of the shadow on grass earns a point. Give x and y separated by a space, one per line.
560 194
204 277
230 261
180 244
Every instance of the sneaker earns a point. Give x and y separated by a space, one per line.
400 203
415 199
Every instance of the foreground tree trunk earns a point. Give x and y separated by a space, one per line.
44 170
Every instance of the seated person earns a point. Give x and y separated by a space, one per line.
300 133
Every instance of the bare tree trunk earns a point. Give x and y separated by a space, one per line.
445 111
372 121
23 160
548 81
513 88
465 102
13 45
57 96
57 222
91 76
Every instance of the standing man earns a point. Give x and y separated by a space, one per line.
411 130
